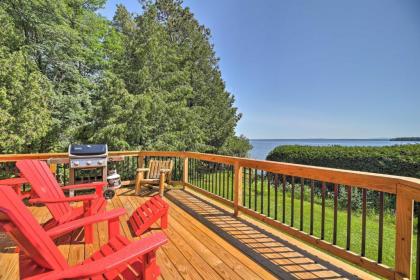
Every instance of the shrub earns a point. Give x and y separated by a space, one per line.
403 160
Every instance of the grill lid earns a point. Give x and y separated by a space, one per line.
88 150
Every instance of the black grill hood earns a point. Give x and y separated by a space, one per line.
88 149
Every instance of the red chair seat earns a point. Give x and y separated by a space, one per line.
133 270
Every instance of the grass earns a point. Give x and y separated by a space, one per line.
220 183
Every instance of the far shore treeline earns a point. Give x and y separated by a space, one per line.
141 81
405 139
402 160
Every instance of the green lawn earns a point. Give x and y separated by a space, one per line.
214 182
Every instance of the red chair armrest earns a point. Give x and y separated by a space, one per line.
88 197
112 261
70 226
93 185
14 181
98 186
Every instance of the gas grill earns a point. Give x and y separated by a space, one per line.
91 158
88 156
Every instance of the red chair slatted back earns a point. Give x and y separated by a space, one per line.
44 184
22 227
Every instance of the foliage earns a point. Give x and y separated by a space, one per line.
403 160
147 81
236 146
24 97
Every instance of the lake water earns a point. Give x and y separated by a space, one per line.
261 147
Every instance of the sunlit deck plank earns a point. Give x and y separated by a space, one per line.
8 268
183 265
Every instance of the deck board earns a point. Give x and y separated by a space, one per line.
194 250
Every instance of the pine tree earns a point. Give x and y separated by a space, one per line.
148 81
170 64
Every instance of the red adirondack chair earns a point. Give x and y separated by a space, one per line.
45 189
148 213
40 258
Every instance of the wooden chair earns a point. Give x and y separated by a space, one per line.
46 190
40 258
158 173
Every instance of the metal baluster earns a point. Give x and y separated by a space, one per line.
348 241
249 187
363 250
381 226
418 241
231 183
292 210
335 213
284 198
262 192
311 226
323 191
243 186
276 193
255 189
268 194
302 194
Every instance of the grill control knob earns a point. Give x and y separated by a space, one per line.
88 162
100 162
76 163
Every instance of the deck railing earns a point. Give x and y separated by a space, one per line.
364 218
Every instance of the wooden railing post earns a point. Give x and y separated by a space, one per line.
185 171
140 161
404 231
53 168
237 188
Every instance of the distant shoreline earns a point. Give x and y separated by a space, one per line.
405 139
322 139
338 139
261 147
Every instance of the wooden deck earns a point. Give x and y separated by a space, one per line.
205 242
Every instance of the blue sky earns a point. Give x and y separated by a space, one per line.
316 69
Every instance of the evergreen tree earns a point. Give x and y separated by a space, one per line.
64 40
25 94
148 81
170 68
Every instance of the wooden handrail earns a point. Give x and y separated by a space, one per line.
375 181
44 156
405 189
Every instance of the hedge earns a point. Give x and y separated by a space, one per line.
403 160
